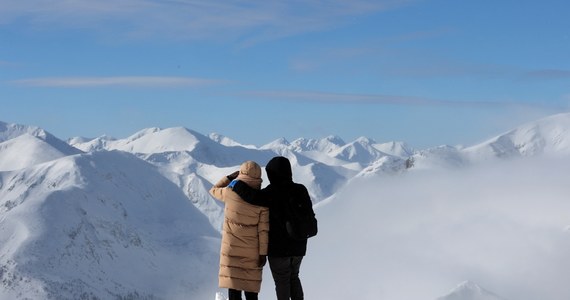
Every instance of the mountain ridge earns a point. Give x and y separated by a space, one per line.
324 165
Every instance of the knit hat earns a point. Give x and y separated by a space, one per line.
251 169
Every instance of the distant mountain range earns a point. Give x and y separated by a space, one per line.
131 218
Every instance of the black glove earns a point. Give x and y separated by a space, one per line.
233 175
262 260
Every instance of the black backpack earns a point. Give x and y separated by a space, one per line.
300 220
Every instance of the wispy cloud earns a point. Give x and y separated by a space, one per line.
548 74
324 97
367 50
132 81
192 19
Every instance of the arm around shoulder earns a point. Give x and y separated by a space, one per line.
249 194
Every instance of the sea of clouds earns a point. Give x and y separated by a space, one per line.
503 225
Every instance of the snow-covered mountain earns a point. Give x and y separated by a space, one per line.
550 135
325 145
360 151
102 225
132 218
468 290
194 161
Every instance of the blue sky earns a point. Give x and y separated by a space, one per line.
424 72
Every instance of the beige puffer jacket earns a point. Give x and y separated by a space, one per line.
245 233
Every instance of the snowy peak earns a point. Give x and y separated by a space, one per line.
399 149
325 145
226 141
155 140
549 135
385 165
365 141
468 290
26 150
277 144
11 131
90 145
146 141
22 146
335 140
359 151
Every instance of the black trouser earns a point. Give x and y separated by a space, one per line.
236 295
285 271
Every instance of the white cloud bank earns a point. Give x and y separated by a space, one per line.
416 236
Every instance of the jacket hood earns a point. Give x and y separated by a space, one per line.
279 170
251 169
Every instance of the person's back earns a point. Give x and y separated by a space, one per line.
244 235
285 254
280 244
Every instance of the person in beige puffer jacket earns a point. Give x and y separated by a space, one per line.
244 235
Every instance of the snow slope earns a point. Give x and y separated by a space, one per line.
104 225
550 135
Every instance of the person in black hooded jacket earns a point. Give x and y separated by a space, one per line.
285 254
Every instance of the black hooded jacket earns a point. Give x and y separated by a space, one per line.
275 196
